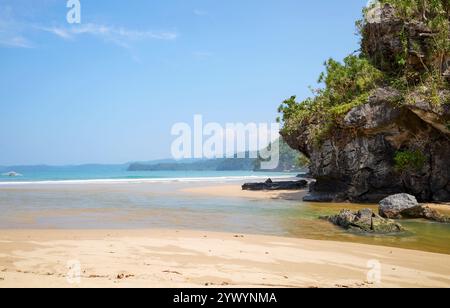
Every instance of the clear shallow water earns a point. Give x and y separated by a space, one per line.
165 205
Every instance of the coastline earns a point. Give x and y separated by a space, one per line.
171 258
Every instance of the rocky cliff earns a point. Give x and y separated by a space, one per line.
394 135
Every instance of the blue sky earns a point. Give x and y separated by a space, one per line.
110 89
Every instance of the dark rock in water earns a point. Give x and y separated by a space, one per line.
425 212
270 185
364 221
393 206
304 176
326 193
323 197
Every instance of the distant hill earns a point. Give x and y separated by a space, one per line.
289 161
245 164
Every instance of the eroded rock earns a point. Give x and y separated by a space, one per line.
364 221
356 159
425 212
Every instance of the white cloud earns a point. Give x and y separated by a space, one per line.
11 31
15 32
119 36
15 41
110 32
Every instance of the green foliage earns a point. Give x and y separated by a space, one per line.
303 161
341 110
345 86
434 14
344 82
349 84
447 124
409 160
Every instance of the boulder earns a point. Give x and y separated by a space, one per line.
365 221
406 206
393 206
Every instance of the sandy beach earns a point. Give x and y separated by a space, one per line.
233 190
180 257
169 258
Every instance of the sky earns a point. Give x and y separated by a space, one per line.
109 90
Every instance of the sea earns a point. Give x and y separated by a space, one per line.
112 173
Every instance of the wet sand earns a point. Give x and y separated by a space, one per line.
158 258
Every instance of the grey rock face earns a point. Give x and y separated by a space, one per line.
375 114
393 206
364 221
356 162
382 40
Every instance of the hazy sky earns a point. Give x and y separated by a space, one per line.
110 89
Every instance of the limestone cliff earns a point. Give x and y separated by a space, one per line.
397 138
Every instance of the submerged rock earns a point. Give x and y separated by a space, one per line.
425 212
364 221
270 185
393 206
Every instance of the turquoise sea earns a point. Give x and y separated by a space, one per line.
119 172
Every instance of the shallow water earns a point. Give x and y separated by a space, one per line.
163 205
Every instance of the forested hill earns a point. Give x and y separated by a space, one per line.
290 160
